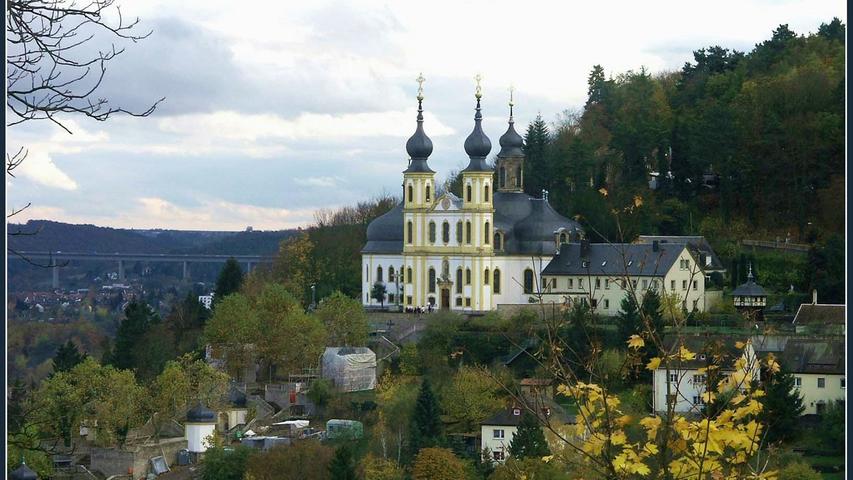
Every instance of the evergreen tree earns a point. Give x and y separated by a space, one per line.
783 406
229 281
342 466
529 441
426 429
67 357
597 86
138 320
378 292
628 319
536 148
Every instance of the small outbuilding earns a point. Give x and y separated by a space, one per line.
199 427
351 369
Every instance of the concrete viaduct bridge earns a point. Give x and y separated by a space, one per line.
55 260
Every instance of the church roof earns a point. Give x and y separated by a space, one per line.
528 225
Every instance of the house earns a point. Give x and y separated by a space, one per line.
708 259
818 369
684 384
750 299
601 274
820 318
497 431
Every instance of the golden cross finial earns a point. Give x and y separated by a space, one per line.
420 81
479 90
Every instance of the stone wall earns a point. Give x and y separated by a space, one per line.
135 458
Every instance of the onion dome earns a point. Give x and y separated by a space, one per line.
478 145
511 142
750 288
419 146
201 414
23 473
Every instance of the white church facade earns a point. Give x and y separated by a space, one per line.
477 253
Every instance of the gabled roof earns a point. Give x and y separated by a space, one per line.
806 355
820 314
505 417
696 242
614 259
717 349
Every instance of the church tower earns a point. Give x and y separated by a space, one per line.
418 181
510 162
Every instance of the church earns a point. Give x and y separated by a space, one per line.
474 253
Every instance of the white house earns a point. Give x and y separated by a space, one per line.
497 432
683 384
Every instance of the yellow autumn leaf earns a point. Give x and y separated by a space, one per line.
636 342
638 201
653 364
739 345
686 354
547 458
602 191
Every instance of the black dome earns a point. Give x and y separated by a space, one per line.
478 145
511 142
419 146
23 473
201 414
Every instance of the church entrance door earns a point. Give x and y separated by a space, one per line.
445 298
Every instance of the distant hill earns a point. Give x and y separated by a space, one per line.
58 236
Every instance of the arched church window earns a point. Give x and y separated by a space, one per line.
458 280
467 276
459 232
409 231
390 274
528 281
468 232
431 232
411 194
427 193
468 193
502 177
379 274
499 241
487 235
486 277
486 194
496 285
431 280
409 275
445 232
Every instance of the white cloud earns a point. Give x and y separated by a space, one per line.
40 168
323 182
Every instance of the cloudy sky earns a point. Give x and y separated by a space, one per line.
276 109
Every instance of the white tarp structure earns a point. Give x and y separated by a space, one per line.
351 369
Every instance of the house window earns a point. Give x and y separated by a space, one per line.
594 302
698 379
487 236
379 274
843 383
821 382
499 455
571 283
409 231
468 193
695 285
673 377
431 232
684 284
486 194
497 284
580 283
459 232
672 284
606 304
528 281
411 194
467 276
697 400
798 382
431 280
645 284
597 283
445 233
607 284
458 301
458 280
634 284
497 433
427 193
486 277
468 232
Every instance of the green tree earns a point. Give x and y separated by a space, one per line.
378 292
138 319
832 427
345 320
342 466
471 397
537 151
438 464
226 464
409 359
799 471
426 429
628 320
67 357
529 441
305 460
783 406
294 266
533 468
232 331
378 468
229 281
320 392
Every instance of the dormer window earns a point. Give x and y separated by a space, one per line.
516 411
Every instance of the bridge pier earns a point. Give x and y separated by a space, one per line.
248 267
121 275
186 273
55 270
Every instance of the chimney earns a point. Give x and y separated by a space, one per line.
814 297
655 246
584 248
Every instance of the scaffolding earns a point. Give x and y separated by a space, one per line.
351 369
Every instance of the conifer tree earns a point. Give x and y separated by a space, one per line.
138 320
628 319
783 406
67 357
342 466
229 281
426 429
529 441
536 147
